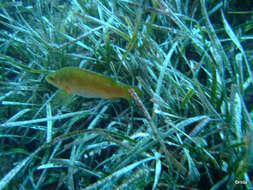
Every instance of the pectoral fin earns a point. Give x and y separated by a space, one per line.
67 89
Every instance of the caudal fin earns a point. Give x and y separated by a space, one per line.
137 90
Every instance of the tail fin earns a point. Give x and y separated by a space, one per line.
137 90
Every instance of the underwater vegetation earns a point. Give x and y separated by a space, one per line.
159 94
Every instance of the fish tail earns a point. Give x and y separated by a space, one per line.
137 90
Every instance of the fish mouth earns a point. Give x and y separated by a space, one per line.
50 79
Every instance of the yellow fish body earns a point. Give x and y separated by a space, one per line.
89 84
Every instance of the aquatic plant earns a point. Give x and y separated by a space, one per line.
192 129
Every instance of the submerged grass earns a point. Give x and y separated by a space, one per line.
191 129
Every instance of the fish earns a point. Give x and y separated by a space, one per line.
90 84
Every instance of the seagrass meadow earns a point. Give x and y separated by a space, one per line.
189 128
